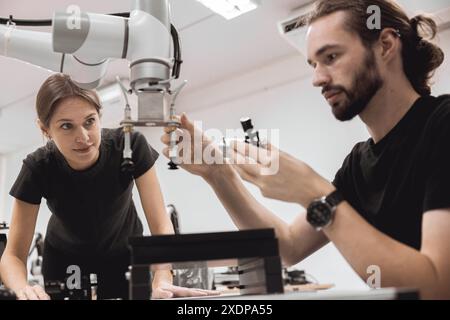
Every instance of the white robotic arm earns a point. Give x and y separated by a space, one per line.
36 48
81 44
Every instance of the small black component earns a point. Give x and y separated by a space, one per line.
251 135
172 165
127 165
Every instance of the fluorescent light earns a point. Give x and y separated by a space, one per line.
230 9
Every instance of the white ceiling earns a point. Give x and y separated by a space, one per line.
213 49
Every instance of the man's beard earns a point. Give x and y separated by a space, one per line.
366 83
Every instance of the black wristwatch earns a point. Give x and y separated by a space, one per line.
320 212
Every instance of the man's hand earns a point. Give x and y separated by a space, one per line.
191 141
168 290
294 181
32 293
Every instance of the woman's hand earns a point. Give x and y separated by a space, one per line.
165 290
35 292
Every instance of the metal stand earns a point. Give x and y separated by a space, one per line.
3 226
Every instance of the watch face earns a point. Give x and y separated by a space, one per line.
319 214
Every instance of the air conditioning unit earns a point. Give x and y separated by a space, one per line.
442 18
295 33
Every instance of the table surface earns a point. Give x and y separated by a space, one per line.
375 294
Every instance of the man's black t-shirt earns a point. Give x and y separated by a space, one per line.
92 210
393 182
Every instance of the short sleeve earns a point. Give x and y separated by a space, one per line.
437 181
342 175
337 181
144 156
344 179
28 186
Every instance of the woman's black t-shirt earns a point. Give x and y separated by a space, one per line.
92 210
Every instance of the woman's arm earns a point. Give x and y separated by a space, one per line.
155 212
13 268
153 203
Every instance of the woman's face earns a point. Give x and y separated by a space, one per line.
75 129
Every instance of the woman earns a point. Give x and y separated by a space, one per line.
93 214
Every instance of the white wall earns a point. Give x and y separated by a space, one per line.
442 79
2 187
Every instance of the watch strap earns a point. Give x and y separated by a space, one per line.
334 198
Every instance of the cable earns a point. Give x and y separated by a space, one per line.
46 22
26 23
177 52
36 244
